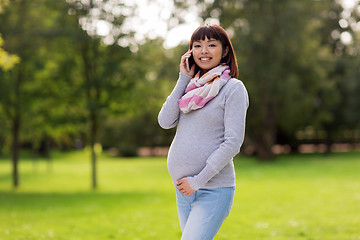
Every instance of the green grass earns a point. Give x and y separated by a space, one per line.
302 197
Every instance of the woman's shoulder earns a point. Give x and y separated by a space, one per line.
235 84
235 89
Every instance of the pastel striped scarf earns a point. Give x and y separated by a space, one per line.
201 90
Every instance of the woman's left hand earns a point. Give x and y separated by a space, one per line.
184 187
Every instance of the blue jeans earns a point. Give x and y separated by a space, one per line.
202 213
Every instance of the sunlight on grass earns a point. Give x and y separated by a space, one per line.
296 197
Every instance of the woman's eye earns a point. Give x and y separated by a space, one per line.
212 45
197 46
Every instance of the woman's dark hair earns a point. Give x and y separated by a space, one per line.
214 31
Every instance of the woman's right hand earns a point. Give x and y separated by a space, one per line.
184 187
183 65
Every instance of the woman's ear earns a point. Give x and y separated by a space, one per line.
226 51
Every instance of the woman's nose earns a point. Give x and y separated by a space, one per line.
204 50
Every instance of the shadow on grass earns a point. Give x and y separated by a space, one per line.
20 200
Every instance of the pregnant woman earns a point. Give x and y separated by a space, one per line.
208 106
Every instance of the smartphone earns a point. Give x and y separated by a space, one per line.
189 62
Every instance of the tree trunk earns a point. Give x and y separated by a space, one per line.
264 144
16 124
15 148
15 112
266 137
93 138
89 50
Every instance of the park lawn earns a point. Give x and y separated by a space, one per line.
304 197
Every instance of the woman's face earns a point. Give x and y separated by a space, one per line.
207 53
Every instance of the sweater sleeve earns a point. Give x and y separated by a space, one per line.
236 106
169 114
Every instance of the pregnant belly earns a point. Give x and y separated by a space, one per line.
187 159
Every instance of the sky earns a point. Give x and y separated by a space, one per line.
155 15
153 18
346 21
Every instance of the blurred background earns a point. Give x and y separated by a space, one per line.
94 74
81 85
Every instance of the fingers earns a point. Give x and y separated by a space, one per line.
184 57
183 187
180 186
185 192
187 54
183 67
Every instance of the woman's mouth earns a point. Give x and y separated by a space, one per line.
205 59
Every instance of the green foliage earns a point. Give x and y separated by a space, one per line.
7 61
32 88
352 92
154 72
298 75
297 197
286 59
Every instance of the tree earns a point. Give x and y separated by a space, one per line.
11 89
343 36
105 73
7 62
27 91
137 126
56 110
282 62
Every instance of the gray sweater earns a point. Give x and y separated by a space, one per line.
206 139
